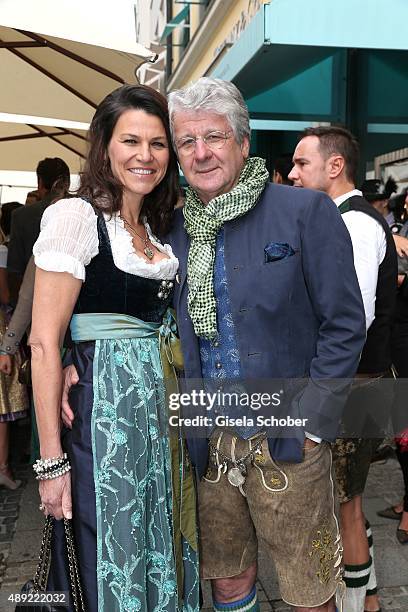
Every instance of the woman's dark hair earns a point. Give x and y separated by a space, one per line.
6 211
99 185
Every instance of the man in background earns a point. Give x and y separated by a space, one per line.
32 197
326 158
53 178
378 195
283 165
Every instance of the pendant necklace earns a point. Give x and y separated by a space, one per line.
148 251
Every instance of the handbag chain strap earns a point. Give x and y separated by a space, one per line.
41 572
44 557
73 569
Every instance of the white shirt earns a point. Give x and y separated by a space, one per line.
369 246
69 240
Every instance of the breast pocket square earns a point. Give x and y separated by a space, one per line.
274 251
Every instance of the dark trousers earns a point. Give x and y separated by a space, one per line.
400 360
403 461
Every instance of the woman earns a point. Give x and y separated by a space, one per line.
97 255
13 395
399 347
20 320
10 354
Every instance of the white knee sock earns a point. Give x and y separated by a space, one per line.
356 578
372 582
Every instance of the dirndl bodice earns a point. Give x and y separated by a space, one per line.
108 289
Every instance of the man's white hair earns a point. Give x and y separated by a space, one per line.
216 96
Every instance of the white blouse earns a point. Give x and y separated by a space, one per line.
69 240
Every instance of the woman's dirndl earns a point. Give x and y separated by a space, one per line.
136 545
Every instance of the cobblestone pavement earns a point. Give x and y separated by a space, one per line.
21 522
9 510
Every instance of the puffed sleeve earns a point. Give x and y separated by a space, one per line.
68 239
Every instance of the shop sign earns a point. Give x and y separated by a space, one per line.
239 26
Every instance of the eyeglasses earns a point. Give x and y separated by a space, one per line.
213 140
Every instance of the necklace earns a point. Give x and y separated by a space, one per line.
148 251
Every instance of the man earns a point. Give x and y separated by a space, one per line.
257 300
32 197
52 176
376 193
326 158
265 290
282 167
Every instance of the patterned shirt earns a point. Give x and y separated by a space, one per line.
220 360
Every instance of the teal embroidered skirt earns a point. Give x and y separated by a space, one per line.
121 475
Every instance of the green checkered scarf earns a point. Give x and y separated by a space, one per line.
202 223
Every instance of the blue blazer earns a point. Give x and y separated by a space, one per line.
298 316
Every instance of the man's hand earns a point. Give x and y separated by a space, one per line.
308 444
401 244
70 378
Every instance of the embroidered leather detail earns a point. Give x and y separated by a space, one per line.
259 457
323 546
276 480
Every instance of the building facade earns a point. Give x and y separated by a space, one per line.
301 63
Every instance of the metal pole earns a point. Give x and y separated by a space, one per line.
169 40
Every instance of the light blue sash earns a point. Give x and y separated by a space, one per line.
109 326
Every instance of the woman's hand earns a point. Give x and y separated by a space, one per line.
55 496
6 364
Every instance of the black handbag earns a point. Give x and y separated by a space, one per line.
35 590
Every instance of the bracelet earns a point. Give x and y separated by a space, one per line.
55 472
2 352
40 464
52 470
44 467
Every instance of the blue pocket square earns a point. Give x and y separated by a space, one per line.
278 250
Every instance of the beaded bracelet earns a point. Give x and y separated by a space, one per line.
51 467
51 470
42 464
55 473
